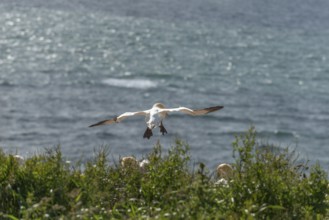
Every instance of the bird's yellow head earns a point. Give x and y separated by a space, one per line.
159 105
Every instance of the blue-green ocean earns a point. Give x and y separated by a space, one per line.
67 64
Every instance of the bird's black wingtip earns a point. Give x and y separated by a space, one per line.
99 123
104 122
214 108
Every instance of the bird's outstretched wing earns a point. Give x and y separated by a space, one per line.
191 111
119 118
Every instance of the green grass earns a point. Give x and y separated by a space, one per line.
264 185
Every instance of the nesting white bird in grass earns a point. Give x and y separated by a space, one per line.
224 171
132 163
154 117
19 159
129 162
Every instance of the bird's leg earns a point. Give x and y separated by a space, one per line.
148 133
162 129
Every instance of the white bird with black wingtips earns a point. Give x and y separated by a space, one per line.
154 117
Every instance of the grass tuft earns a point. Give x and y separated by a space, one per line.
264 184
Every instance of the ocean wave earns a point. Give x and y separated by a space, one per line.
260 134
105 135
278 133
6 83
218 118
131 83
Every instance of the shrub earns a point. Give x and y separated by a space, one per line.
265 184
271 185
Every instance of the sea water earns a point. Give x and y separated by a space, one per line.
67 64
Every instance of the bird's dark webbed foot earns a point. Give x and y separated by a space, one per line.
148 133
162 129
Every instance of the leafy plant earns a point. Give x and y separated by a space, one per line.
265 184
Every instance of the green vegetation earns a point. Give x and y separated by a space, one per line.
264 185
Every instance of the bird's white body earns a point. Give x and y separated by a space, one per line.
155 116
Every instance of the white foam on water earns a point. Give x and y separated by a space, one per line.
131 83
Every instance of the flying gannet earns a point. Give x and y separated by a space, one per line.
155 116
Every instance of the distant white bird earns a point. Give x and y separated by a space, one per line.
19 159
155 116
129 162
224 170
132 163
